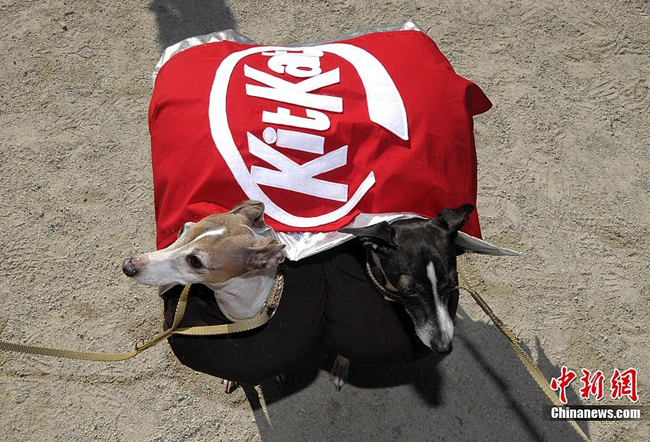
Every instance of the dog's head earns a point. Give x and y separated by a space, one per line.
416 259
213 250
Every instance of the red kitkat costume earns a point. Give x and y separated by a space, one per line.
376 124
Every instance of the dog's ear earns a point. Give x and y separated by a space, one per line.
453 219
377 237
264 254
253 210
467 243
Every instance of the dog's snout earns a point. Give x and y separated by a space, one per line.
128 267
444 349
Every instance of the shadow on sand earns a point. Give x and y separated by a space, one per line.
180 19
480 391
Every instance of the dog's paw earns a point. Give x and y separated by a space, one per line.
280 379
339 372
229 386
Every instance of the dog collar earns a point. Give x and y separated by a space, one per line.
270 305
389 295
273 299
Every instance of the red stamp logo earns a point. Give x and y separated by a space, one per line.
622 383
592 384
562 382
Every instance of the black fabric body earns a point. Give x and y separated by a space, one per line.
327 301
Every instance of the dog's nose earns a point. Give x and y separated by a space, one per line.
128 268
444 349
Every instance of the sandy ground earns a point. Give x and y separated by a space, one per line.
563 176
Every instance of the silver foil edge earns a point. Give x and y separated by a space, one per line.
300 245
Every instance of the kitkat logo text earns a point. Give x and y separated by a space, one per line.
284 121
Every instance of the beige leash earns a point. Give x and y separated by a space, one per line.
258 320
272 302
532 368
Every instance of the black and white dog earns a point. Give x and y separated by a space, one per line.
414 261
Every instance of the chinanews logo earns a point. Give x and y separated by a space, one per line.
299 113
594 385
621 384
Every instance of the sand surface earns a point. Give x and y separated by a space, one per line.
564 161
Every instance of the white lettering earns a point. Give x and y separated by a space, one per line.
297 65
270 135
296 177
385 108
295 93
309 51
300 141
314 120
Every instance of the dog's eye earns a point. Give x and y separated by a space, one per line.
406 285
184 228
194 261
407 291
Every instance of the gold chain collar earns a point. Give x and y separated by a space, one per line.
273 299
391 295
